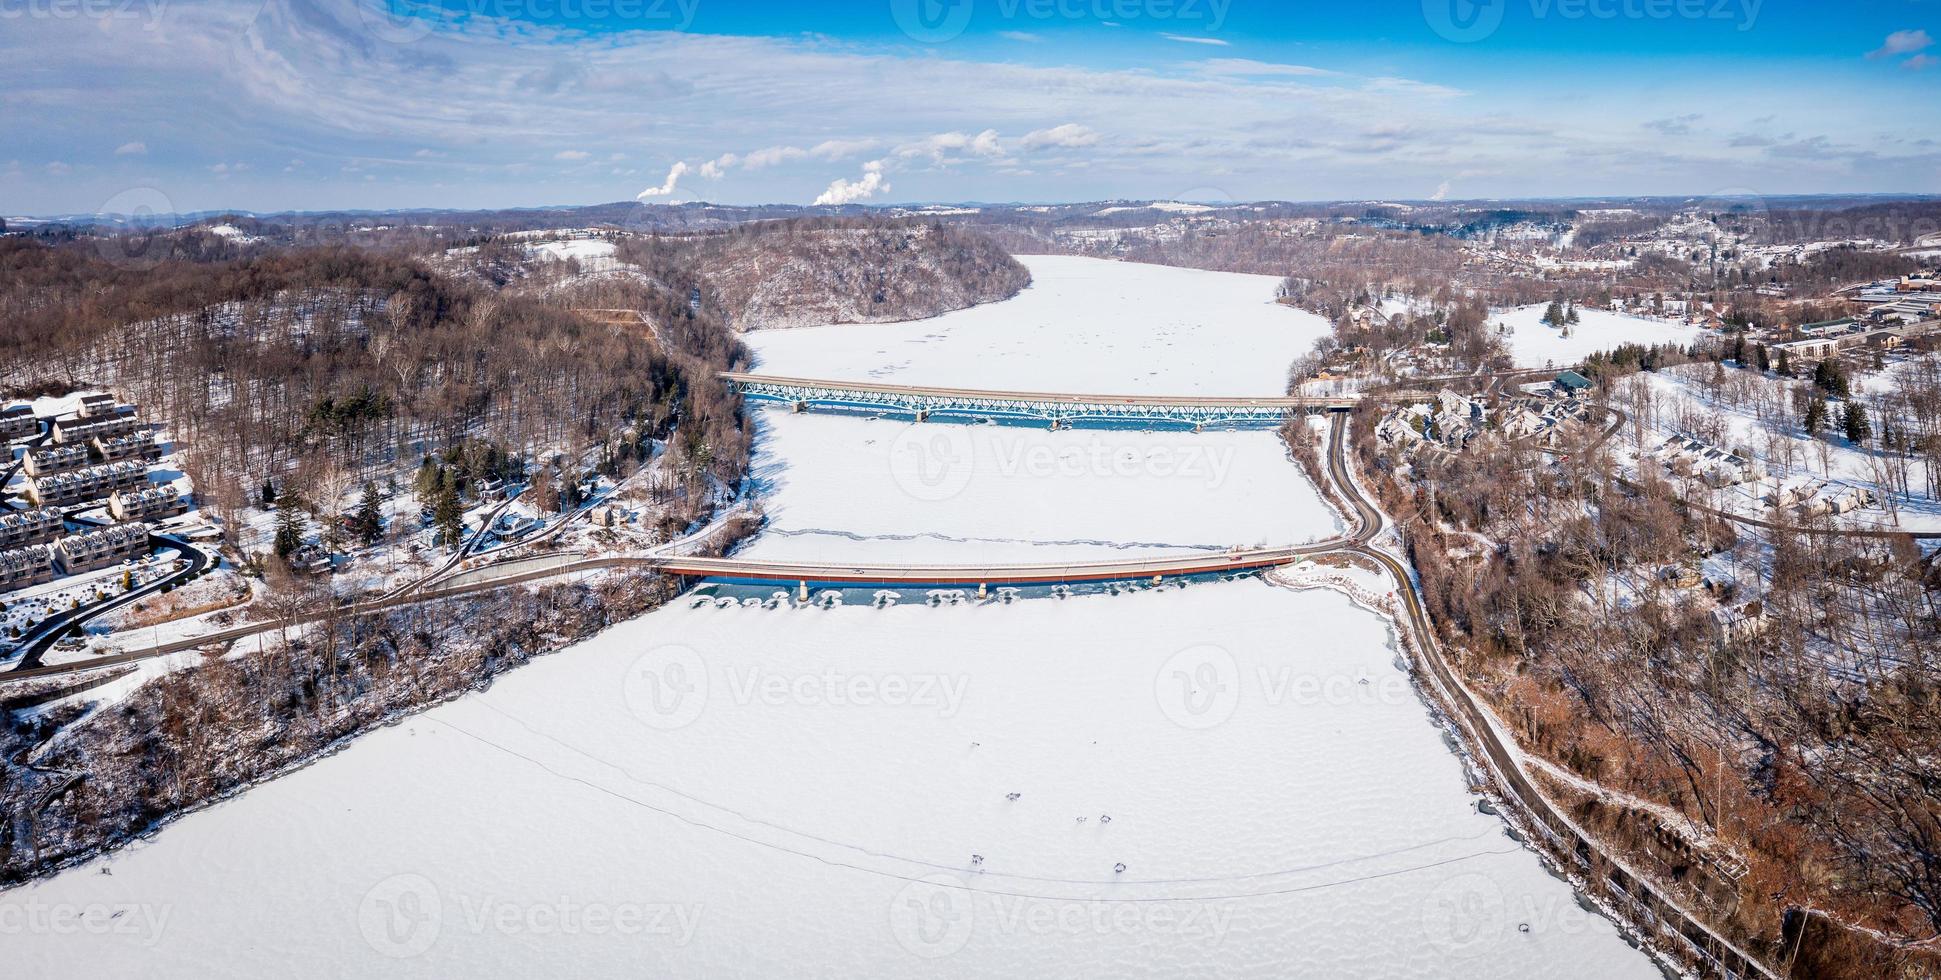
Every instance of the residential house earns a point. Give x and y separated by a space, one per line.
1735 623
56 459
19 422
110 545
146 505
25 566
120 423
19 528
140 444
81 486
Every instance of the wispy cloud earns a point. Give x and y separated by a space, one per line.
1024 36
1249 68
571 155
1194 39
134 149
1066 136
1900 43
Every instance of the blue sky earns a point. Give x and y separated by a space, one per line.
310 104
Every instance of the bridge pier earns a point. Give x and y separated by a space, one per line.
798 406
923 415
802 591
981 593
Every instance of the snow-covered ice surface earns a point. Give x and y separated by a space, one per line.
888 489
909 791
1295 815
1086 326
1536 344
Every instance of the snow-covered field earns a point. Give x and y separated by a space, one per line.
837 487
1534 343
1227 779
1090 326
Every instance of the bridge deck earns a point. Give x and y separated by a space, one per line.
1047 397
747 570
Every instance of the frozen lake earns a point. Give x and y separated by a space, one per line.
1227 779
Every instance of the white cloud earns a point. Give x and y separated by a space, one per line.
1247 67
850 191
134 149
1190 39
667 186
571 155
1068 135
1902 42
939 146
717 168
59 168
1025 36
1920 62
772 155
837 149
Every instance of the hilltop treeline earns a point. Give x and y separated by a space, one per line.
340 360
809 271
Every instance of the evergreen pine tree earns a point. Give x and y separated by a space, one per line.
1856 423
1815 415
289 528
369 522
448 514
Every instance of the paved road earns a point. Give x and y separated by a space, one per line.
1649 906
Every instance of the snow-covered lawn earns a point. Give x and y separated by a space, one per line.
1534 343
1090 326
892 490
1845 466
757 793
